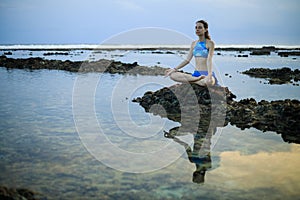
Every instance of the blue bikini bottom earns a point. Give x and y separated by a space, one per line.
205 73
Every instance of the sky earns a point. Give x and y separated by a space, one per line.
98 21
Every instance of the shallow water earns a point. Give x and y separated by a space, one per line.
42 149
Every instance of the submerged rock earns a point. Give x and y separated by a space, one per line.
275 76
217 105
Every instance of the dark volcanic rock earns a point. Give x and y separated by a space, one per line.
265 50
102 65
282 116
56 53
275 76
289 53
8 53
260 52
216 105
186 97
15 194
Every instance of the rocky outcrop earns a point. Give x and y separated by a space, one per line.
18 194
185 96
289 53
217 105
261 52
281 116
55 53
102 65
275 76
265 50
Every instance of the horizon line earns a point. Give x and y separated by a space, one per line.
131 46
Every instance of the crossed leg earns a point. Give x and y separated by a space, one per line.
188 78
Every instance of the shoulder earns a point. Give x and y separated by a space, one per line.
193 44
210 43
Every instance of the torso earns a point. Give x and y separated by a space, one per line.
201 62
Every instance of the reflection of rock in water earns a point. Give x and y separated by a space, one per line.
282 116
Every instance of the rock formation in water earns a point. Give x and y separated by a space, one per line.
217 105
102 65
18 193
275 76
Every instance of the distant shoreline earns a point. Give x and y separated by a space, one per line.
67 47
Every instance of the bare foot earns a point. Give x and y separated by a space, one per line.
200 80
212 82
203 81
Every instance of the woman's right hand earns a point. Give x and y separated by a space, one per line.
168 72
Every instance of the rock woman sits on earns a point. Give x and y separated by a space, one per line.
203 50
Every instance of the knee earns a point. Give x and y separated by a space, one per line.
173 76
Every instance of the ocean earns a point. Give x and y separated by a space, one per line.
52 126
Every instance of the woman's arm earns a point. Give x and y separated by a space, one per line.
211 46
188 58
183 63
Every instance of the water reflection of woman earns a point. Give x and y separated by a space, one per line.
200 154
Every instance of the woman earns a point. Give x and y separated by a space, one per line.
203 51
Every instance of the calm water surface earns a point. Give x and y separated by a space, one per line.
40 147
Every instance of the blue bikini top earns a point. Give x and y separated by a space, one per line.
200 50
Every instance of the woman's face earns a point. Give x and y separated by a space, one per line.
199 29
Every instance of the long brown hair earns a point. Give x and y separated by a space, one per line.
205 24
